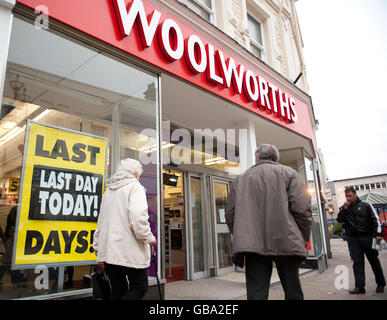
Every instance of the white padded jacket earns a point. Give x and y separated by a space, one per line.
123 233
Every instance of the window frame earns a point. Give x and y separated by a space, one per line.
255 43
104 50
210 11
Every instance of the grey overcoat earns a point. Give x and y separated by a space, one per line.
269 212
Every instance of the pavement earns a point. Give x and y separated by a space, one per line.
332 284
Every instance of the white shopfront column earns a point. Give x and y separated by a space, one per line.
247 147
247 144
6 17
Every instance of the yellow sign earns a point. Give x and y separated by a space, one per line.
62 183
14 185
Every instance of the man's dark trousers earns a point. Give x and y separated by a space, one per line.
360 245
258 273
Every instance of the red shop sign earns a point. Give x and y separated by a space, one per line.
149 33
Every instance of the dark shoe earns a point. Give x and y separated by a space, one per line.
380 289
357 291
68 284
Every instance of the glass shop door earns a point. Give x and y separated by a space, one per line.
223 236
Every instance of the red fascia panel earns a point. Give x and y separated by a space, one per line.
99 20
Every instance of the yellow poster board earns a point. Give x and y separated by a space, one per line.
14 183
63 177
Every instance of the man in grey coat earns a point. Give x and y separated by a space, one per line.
269 214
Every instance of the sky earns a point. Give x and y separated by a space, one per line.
345 52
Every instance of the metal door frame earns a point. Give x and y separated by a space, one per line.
216 230
191 274
184 230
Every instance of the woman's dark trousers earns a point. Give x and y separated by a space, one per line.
127 283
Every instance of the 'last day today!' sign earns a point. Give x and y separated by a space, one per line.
61 191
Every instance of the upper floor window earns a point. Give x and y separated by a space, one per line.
204 8
256 36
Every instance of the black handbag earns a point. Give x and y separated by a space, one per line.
102 288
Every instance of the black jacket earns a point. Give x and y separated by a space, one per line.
359 219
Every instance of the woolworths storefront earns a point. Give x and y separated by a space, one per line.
87 83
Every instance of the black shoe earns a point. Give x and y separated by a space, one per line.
357 291
68 284
380 289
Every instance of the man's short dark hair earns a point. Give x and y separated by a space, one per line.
350 189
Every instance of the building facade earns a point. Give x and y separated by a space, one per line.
190 88
268 29
372 189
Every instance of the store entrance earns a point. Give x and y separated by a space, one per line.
223 236
174 217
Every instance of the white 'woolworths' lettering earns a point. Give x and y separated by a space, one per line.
230 72
196 66
169 30
211 72
127 20
251 89
201 57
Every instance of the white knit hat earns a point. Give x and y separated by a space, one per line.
130 165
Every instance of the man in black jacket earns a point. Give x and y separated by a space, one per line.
361 224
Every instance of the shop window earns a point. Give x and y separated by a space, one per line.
224 250
316 238
209 225
296 159
71 89
293 158
204 8
205 147
256 36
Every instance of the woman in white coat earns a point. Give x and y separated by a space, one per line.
123 237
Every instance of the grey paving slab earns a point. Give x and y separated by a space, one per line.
316 286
